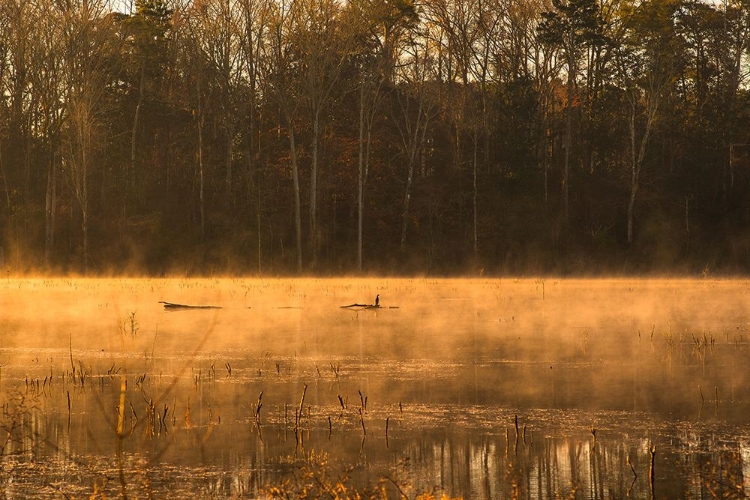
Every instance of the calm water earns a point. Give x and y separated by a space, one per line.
472 388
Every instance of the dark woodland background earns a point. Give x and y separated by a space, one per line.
374 136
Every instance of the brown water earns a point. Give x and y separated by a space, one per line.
420 395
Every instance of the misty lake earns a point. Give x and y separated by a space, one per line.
484 388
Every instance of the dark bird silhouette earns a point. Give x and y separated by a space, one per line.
377 300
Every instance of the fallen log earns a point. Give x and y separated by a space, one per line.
173 305
367 306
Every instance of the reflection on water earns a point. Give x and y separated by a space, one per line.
478 389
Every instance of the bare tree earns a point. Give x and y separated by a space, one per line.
147 31
468 30
281 76
85 45
325 43
414 106
18 36
192 44
383 25
573 26
254 28
221 44
4 70
48 94
646 66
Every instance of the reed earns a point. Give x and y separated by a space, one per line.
72 365
133 417
187 415
163 420
362 422
131 325
387 420
258 406
298 417
153 345
593 434
363 401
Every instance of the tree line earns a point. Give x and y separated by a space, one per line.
388 136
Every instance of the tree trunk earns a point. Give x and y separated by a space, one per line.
5 178
638 154
130 176
257 214
201 183
413 139
631 201
635 170
314 187
474 194
407 199
297 210
568 138
360 177
230 174
50 209
85 206
85 228
687 225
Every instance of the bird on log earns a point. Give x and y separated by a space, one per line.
376 305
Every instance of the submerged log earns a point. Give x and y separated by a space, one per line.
173 305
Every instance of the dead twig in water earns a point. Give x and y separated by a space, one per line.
363 400
651 470
258 406
298 418
362 421
632 469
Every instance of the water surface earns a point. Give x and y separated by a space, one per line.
505 388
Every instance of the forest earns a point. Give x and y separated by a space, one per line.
439 137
